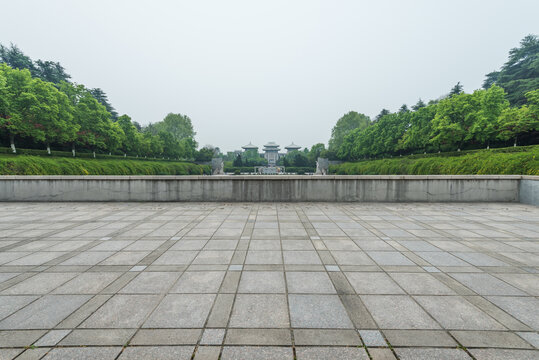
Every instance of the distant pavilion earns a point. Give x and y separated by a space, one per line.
271 153
292 147
250 147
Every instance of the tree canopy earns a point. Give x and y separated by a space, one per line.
520 74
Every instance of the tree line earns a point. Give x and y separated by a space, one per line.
505 110
41 107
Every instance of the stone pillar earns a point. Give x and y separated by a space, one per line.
322 166
217 166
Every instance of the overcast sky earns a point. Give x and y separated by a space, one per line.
269 70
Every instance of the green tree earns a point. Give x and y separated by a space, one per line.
103 99
520 74
350 121
132 142
513 122
315 152
457 89
17 98
51 71
178 125
416 135
454 117
237 161
51 114
492 104
15 58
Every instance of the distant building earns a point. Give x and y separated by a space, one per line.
271 153
249 147
292 147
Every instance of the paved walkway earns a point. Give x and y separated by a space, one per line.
268 281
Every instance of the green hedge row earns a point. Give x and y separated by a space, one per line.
69 154
524 161
36 165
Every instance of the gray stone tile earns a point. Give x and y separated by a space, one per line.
125 258
84 353
150 283
318 311
122 311
39 284
52 338
11 303
264 257
8 354
303 337
189 245
258 337
372 338
526 282
256 353
373 283
88 258
522 308
479 259
207 353
381 354
397 312
309 283
221 311
45 312
212 336
199 282
330 353
98 337
19 338
490 339
504 354
265 245
301 257
429 354
176 258
530 337
441 258
166 337
87 283
214 257
454 312
486 284
271 282
389 258
297 245
260 311
351 258
157 353
421 284
181 311
427 338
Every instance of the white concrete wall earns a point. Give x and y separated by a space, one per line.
263 188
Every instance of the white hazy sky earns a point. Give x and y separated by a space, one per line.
268 70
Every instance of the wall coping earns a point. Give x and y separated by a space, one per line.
268 177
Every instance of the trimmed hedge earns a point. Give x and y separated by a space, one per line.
79 154
37 165
518 161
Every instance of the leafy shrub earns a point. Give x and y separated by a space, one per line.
37 165
524 161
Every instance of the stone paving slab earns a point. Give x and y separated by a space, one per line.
269 281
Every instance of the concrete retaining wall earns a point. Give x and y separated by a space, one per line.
431 188
529 190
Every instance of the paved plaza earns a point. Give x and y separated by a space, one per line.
263 281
